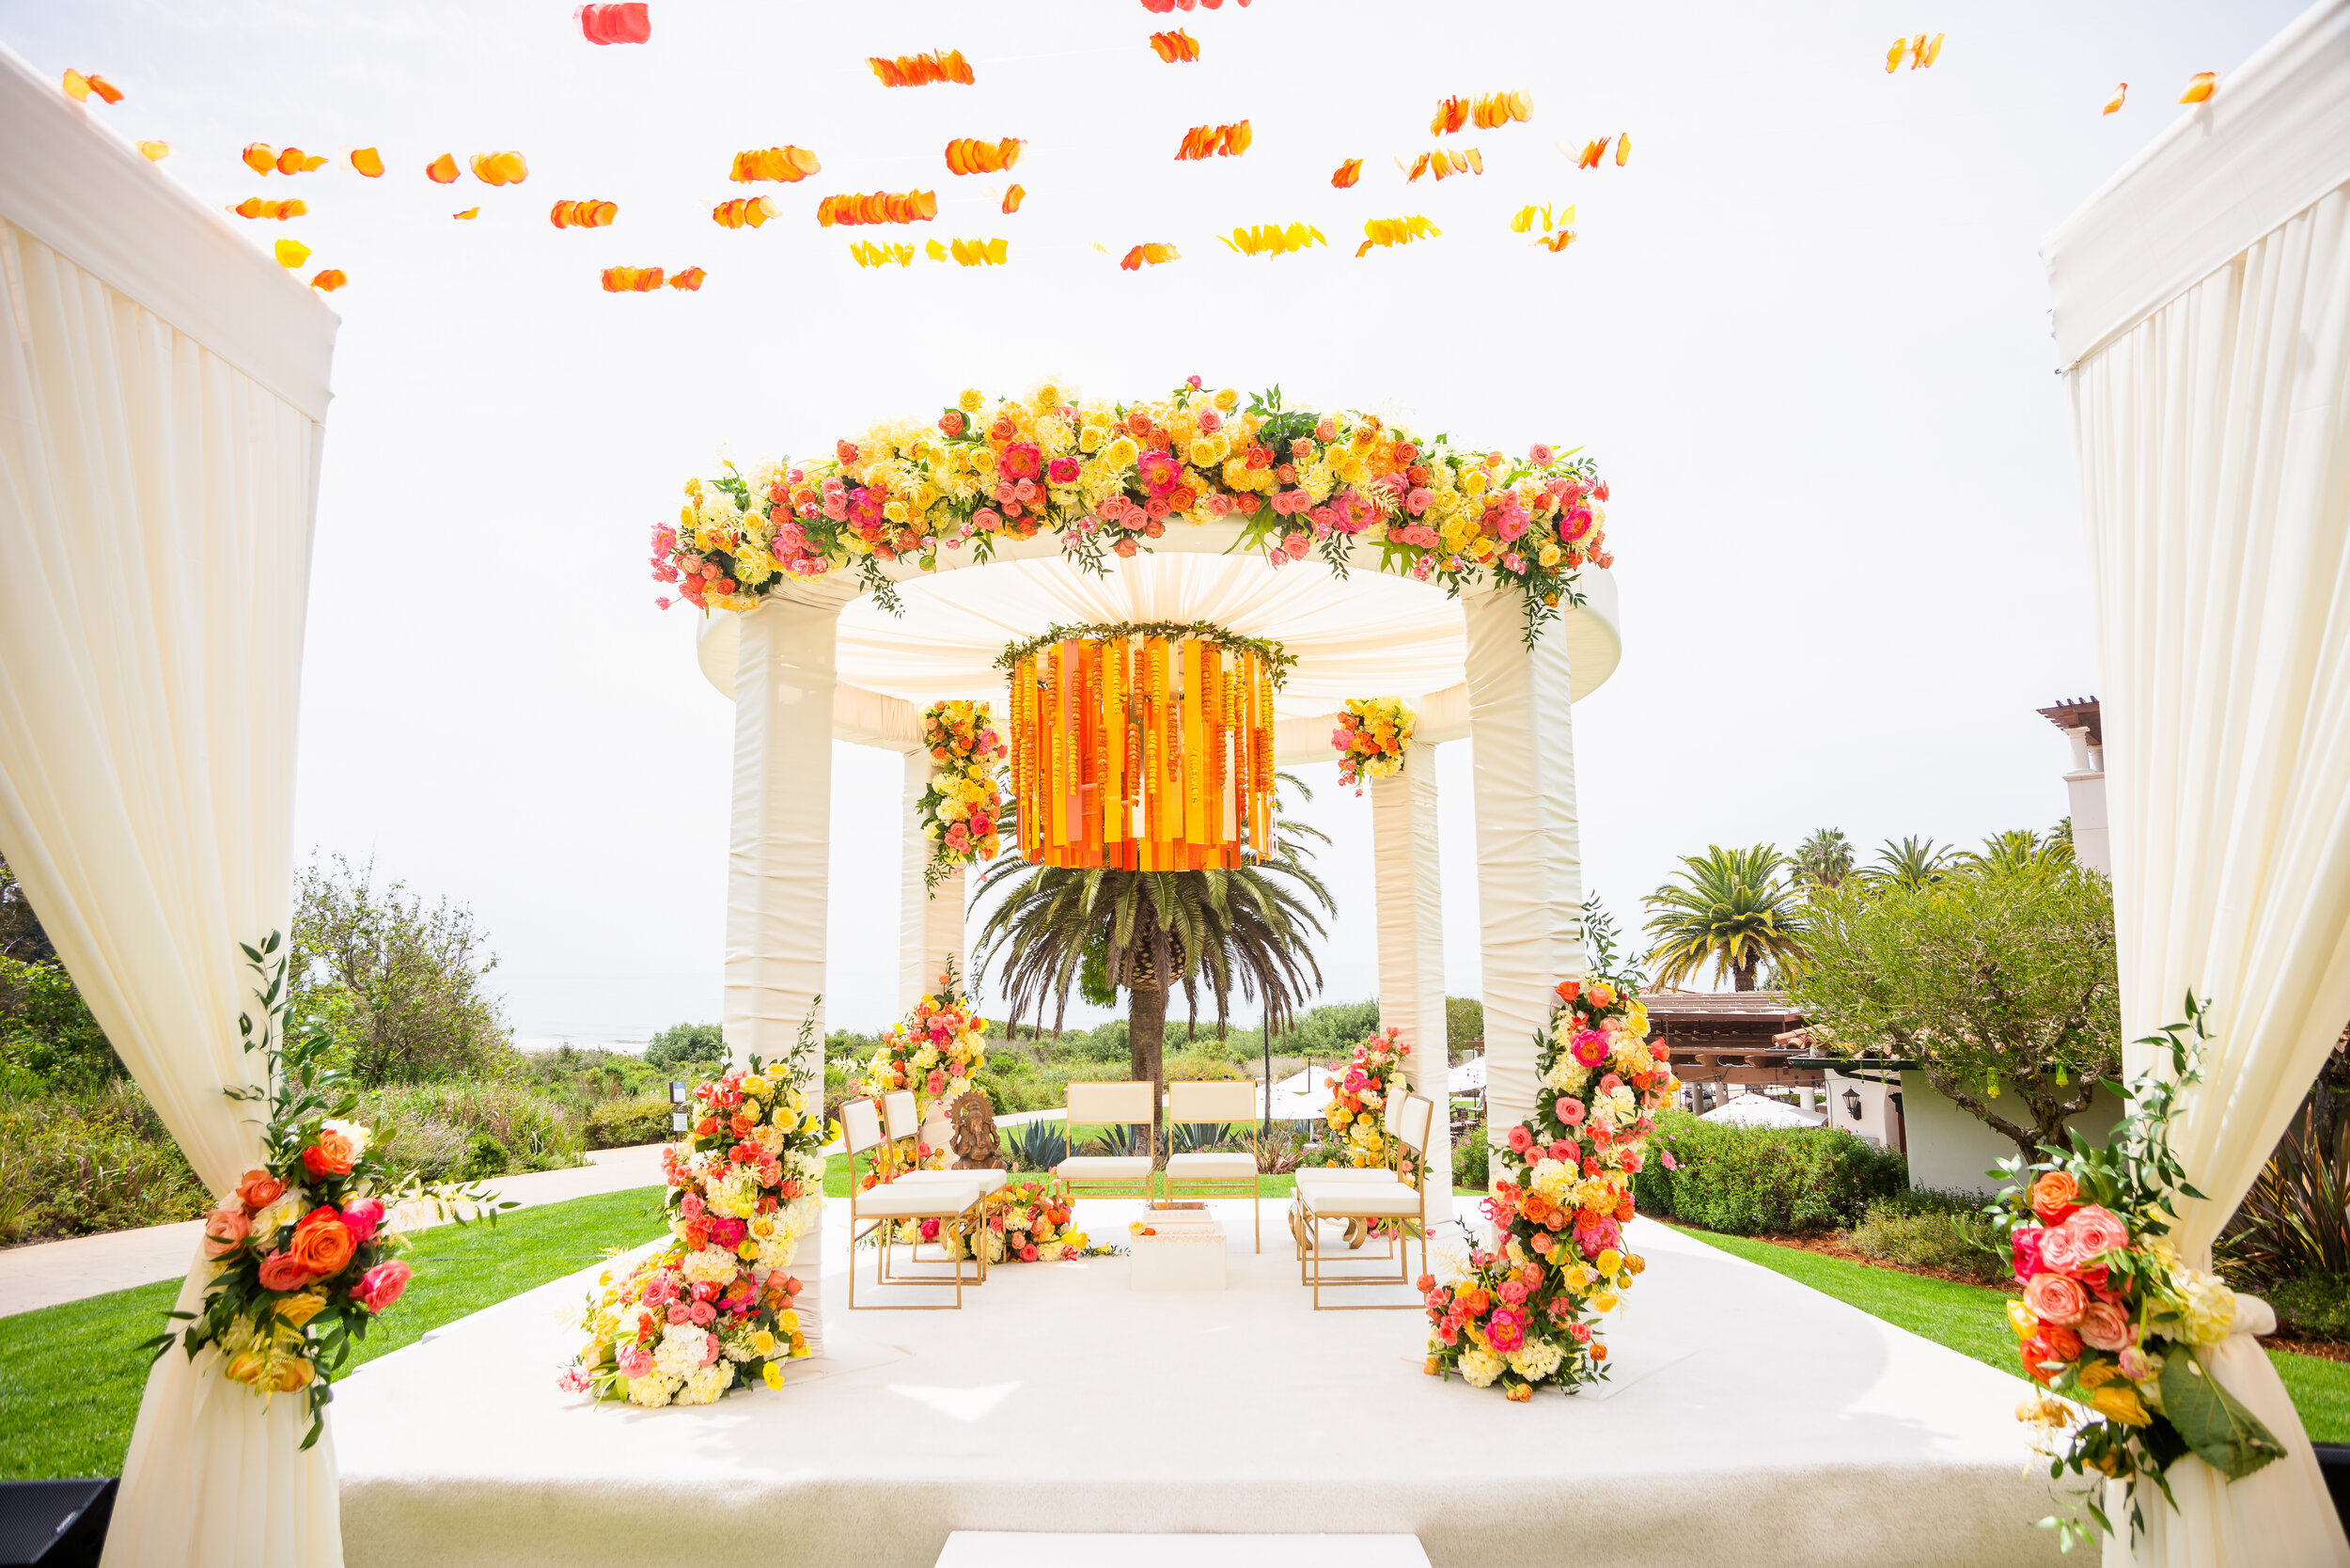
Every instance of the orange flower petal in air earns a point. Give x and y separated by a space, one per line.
1557 243
743 213
1492 110
630 280
1932 52
1347 173
790 165
259 207
1624 150
1382 232
1214 141
1893 55
500 168
154 151
1592 153
1150 255
329 280
1272 239
104 88
868 255
881 207
690 279
441 171
978 253
1175 48
294 161
2200 87
367 162
468 212
2119 94
1013 196
965 156
259 157
292 253
1452 115
78 88
76 85
921 71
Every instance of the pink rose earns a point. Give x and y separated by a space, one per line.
382 1285
363 1217
1570 1111
711 1349
2053 1298
1541 454
636 1361
225 1230
1520 1139
2098 1229
2024 1246
681 1312
704 1314
281 1272
2103 1326
2060 1248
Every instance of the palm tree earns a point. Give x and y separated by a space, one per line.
1732 907
1824 858
2019 849
1241 933
1912 863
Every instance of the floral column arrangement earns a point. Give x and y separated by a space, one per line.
1526 1313
934 1051
1358 1097
959 810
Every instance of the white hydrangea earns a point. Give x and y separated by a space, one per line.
1536 1359
735 1195
2207 1306
653 1390
1480 1366
926 1058
683 1348
1554 1178
775 1251
1567 1076
802 1165
710 1265
705 1384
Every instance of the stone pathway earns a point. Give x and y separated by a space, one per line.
48 1272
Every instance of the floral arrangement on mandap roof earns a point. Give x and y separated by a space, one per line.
2113 1321
1358 1097
301 1252
1373 734
959 810
1527 1314
711 1311
1112 477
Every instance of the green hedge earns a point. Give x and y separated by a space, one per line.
1763 1180
625 1123
75 1165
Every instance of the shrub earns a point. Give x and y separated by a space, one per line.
77 1164
2315 1307
681 1044
1472 1158
1763 1180
435 1129
625 1123
1921 1228
46 1031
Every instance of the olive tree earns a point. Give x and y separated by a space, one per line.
1998 978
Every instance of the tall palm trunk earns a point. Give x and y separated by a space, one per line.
1146 1045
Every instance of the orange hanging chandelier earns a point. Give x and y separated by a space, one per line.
1144 748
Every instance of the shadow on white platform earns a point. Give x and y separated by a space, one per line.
1753 1421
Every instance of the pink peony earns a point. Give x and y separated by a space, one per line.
2103 1326
381 1285
2098 1229
363 1217
2053 1298
1590 1047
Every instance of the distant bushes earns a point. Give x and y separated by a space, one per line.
74 1165
1763 1180
1942 1231
625 1123
467 1129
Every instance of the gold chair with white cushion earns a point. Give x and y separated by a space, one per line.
891 1203
1211 1175
1127 1105
903 1123
1312 1177
1402 1204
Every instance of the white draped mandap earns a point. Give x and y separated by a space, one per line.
162 393
820 662
2203 322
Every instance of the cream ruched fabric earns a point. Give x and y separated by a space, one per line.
1529 858
2212 437
930 920
778 868
1406 882
159 400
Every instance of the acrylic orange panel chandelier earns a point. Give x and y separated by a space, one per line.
1145 747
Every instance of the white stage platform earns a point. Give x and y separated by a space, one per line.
1753 1422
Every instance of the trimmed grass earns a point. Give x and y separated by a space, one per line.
1972 1319
70 1389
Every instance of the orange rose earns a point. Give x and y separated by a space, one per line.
331 1156
260 1189
323 1243
2054 1195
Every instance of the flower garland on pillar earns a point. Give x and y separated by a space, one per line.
958 812
934 1050
1373 733
1358 1096
1528 1311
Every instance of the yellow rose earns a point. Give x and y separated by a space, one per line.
764 1342
2120 1402
1227 399
789 1323
1121 453
1473 482
1206 453
894 511
1047 397
1605 1301
1091 438
746 1248
1608 1261
299 1309
971 400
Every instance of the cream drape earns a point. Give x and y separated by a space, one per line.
930 919
1406 880
2214 446
162 388
1529 859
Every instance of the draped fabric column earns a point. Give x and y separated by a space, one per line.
930 920
1529 861
2210 384
1411 947
162 392
779 867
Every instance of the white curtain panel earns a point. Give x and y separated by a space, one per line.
1408 888
1530 857
778 866
930 920
154 563
2214 447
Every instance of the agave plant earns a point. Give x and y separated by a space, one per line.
1191 1138
1037 1145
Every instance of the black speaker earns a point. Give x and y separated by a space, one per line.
2334 1459
56 1523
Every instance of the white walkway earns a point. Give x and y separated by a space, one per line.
48 1272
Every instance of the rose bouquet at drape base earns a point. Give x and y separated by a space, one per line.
2112 1320
300 1250
958 811
711 1312
1526 1314
1358 1096
1373 734
1024 1224
934 1051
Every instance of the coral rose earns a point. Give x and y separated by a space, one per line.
225 1230
333 1155
382 1285
2103 1326
2054 1195
323 1243
2053 1298
2098 1229
281 1272
260 1189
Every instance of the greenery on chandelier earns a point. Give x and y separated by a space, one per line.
1275 659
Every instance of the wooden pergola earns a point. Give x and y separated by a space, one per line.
1723 1038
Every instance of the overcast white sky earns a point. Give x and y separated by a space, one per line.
1805 333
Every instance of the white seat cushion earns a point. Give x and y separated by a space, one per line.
988 1180
1103 1168
1347 1175
1364 1201
903 1200
1211 1168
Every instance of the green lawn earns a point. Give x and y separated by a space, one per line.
71 1388
1972 1319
